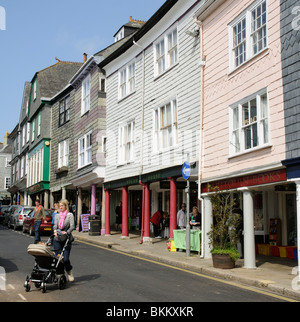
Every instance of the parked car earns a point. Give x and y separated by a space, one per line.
3 211
28 223
17 218
12 209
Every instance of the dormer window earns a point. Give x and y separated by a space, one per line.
120 35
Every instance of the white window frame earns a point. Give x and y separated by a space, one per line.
166 52
165 132
33 131
28 132
245 42
239 125
39 120
85 151
63 153
34 90
86 95
127 80
126 153
7 183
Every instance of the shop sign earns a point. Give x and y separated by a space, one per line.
248 181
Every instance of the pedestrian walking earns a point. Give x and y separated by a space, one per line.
118 212
63 226
39 215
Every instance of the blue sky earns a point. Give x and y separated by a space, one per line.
37 31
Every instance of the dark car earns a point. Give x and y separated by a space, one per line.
12 209
3 211
28 223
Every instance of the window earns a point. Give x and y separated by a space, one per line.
23 135
64 111
126 142
165 126
86 93
127 80
6 183
102 84
39 124
249 124
28 132
166 52
248 34
34 90
63 154
33 131
85 150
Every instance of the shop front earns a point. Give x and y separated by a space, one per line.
142 196
268 203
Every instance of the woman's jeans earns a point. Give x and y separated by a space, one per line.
58 247
37 225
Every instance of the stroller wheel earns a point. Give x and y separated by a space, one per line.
37 285
43 286
62 282
27 284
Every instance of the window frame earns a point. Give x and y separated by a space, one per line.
160 127
162 58
85 151
86 95
66 110
127 80
63 153
237 133
248 42
126 155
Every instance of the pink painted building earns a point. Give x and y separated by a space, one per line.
243 137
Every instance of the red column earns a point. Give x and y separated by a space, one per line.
107 212
173 207
125 212
147 211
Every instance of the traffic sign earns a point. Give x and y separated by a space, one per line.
186 170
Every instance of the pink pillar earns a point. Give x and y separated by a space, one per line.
147 211
93 201
173 207
125 232
107 212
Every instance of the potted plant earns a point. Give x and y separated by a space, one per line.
226 229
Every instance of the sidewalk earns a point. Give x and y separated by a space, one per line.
273 273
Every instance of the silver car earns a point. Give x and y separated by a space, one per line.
17 218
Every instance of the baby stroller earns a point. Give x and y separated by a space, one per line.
48 268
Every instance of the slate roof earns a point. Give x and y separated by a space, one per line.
54 78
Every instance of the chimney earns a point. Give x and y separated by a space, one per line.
85 57
6 138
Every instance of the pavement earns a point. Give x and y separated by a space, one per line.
273 274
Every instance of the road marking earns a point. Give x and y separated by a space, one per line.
248 288
22 297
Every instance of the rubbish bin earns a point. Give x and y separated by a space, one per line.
94 225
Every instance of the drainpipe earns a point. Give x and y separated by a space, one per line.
202 65
142 112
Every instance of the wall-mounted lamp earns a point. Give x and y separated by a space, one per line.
194 34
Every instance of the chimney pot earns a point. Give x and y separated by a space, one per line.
85 57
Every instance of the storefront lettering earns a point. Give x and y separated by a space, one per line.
248 181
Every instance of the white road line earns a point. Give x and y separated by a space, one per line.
11 286
22 297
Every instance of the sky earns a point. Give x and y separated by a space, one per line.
36 31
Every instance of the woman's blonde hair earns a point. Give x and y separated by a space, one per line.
65 203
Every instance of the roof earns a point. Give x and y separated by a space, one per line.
54 78
132 24
160 13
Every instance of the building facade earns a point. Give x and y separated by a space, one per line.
244 121
44 85
153 117
5 170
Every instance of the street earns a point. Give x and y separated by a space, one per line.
102 275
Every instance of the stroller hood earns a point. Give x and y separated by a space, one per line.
40 250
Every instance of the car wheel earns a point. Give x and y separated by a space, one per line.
15 226
23 229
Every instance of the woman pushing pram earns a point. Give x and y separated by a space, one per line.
63 226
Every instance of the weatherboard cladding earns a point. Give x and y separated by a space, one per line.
181 82
290 48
